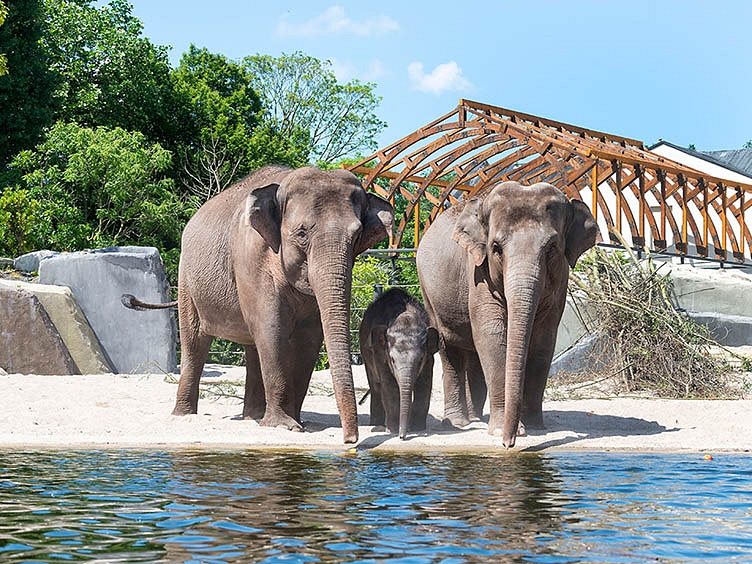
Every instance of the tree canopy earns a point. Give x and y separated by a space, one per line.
27 90
225 140
107 144
110 75
3 56
96 187
302 97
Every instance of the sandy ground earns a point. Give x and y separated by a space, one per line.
113 411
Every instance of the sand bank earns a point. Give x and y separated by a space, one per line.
113 411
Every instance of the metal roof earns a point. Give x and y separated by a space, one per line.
739 160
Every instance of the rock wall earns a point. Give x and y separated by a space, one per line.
133 341
29 340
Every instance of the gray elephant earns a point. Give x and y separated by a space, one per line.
493 272
268 263
397 346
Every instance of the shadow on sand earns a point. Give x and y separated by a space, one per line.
588 425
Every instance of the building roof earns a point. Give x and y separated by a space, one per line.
739 160
735 160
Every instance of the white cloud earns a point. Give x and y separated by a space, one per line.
447 76
334 20
345 71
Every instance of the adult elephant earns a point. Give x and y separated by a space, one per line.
267 263
493 271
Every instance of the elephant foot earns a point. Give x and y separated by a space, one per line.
495 425
253 413
495 431
455 421
521 431
378 428
281 421
533 421
181 410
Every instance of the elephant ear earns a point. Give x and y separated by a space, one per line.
377 222
432 341
471 231
377 337
582 231
263 214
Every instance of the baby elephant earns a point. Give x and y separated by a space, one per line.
397 346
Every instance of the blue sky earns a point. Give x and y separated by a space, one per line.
677 70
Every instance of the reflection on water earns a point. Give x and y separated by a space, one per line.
369 507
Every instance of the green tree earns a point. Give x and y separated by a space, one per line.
303 100
19 217
3 56
226 140
99 187
110 75
27 104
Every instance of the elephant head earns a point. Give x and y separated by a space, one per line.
522 241
317 222
408 349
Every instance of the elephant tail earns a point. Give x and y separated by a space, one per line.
365 397
132 302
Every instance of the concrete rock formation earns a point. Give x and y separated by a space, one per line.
29 341
133 341
29 262
70 323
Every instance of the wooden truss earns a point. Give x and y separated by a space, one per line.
654 202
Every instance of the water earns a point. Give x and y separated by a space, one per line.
139 506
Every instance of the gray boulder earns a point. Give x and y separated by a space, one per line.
31 343
134 341
29 262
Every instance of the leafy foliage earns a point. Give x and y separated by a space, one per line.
19 217
28 87
651 344
3 56
110 75
304 101
100 187
226 141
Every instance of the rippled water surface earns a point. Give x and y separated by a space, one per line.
175 506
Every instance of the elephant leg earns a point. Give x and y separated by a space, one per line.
378 416
455 398
390 399
307 343
278 364
194 348
476 386
254 402
422 397
492 352
542 344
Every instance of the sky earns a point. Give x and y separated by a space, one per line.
663 69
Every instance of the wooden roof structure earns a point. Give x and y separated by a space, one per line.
654 202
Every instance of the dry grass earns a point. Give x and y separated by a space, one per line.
648 345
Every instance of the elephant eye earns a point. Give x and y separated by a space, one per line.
300 234
496 248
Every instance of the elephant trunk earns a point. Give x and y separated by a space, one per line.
523 293
331 281
405 380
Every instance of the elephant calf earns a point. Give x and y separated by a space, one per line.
398 347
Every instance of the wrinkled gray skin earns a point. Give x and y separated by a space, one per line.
397 346
494 272
267 263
